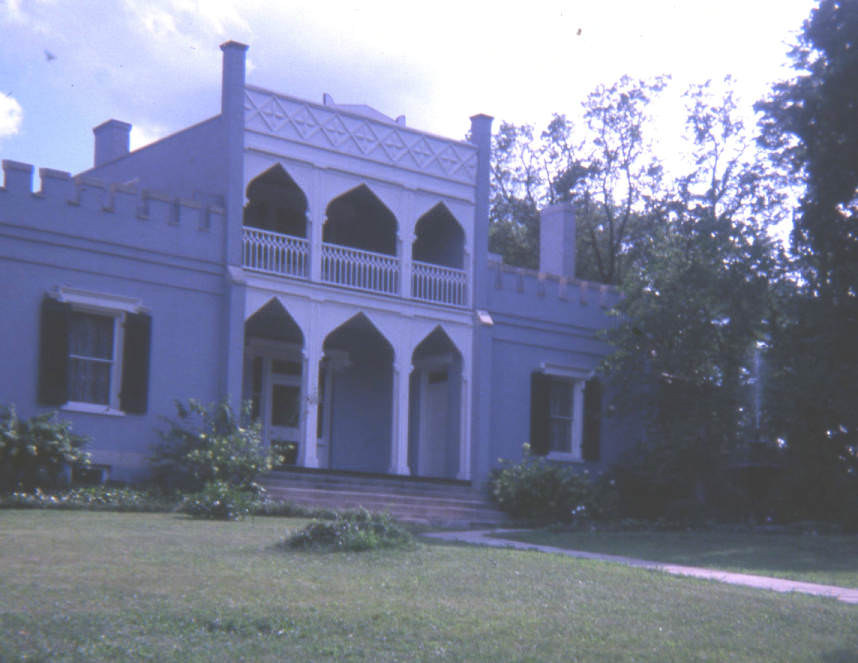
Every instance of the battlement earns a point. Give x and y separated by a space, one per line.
544 286
520 292
95 215
95 195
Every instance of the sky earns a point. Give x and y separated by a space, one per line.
66 66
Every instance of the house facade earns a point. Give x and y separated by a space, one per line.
326 263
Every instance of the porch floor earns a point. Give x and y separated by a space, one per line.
446 502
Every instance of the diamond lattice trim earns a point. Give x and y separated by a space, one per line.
284 117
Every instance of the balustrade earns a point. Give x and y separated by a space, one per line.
436 283
275 253
356 268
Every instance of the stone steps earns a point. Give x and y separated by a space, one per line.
429 501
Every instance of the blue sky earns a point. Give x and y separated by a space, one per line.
68 65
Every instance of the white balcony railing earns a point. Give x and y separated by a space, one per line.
376 272
436 283
275 253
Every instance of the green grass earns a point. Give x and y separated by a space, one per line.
87 586
825 559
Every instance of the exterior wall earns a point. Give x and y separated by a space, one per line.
189 164
169 256
538 320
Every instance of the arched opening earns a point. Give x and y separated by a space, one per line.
439 239
273 371
435 403
360 220
356 398
276 203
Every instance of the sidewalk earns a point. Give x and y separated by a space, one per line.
486 538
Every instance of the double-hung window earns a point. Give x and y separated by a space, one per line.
94 352
565 414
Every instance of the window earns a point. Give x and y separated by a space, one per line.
565 416
94 353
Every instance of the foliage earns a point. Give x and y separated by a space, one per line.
698 305
607 173
34 451
219 500
351 531
537 489
92 498
206 444
810 128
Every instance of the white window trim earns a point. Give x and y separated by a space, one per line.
109 306
578 377
98 302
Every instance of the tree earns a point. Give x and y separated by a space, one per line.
810 124
605 168
698 300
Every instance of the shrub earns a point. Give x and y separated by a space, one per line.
351 531
206 444
219 500
94 498
540 490
34 452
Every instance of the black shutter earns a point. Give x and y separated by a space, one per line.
133 398
592 419
54 352
539 413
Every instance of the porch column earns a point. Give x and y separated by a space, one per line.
464 472
317 221
405 244
307 456
399 435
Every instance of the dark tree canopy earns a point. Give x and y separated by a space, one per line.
810 125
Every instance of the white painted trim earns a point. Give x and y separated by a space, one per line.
570 372
91 408
98 301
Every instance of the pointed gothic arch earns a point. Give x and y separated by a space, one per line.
360 220
439 238
276 203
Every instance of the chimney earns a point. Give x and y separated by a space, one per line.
111 141
557 240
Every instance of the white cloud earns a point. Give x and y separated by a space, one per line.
11 115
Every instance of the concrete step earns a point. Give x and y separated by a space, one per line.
437 502
372 482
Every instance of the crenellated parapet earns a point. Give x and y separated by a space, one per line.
520 290
117 213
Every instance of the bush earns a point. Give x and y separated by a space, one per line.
219 500
206 444
35 452
539 490
351 531
94 498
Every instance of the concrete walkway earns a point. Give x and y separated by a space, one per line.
486 537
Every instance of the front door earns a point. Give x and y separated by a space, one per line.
434 424
283 416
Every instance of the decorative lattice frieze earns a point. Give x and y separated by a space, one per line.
314 124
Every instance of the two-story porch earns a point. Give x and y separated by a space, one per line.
357 335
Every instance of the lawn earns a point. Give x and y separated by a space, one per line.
84 586
828 559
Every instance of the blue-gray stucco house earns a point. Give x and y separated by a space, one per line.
324 261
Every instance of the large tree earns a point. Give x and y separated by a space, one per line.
698 299
604 166
811 126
